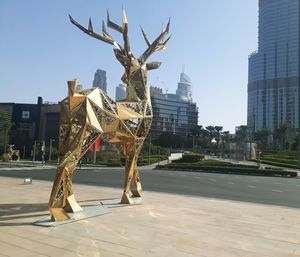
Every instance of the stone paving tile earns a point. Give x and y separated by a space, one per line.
165 225
19 241
13 251
2 255
52 251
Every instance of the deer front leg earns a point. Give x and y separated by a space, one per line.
136 186
129 171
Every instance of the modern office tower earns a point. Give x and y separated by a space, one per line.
184 86
120 92
100 80
172 113
273 82
79 87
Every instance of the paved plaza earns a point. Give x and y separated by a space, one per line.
165 225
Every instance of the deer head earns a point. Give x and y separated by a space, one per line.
135 75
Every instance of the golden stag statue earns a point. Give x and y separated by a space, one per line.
9 153
90 113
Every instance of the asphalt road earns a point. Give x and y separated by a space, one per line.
266 190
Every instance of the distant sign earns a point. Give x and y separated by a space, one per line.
25 114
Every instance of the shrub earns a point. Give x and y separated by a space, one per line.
280 160
279 164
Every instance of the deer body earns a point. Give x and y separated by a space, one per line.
88 114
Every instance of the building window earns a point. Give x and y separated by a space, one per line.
25 115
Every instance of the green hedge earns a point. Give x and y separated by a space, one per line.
279 164
232 170
279 156
214 163
280 160
145 160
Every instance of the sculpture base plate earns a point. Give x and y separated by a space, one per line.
86 213
112 203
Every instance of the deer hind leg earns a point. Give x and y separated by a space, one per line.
136 186
62 198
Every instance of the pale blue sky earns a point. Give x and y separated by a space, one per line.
40 50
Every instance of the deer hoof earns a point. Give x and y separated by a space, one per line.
126 199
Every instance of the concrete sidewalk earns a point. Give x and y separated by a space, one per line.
165 225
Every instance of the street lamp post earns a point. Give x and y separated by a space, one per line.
34 149
50 148
149 149
43 153
298 149
24 151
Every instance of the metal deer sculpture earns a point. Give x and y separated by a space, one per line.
90 113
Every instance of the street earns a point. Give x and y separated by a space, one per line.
253 189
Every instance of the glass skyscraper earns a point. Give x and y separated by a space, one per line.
120 92
184 86
273 78
175 113
100 80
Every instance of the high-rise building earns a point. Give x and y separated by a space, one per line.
273 82
120 92
172 113
100 80
79 87
184 86
20 124
175 113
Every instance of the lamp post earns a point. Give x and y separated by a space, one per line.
149 149
43 152
50 148
34 149
24 151
298 133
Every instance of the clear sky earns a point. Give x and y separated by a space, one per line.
40 49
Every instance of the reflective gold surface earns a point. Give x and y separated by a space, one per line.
90 113
9 153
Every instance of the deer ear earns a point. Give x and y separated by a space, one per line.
153 65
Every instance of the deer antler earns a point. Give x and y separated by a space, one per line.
158 44
124 54
105 38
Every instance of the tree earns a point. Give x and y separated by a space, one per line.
195 133
5 126
218 129
203 139
211 132
241 134
225 138
168 139
280 135
262 137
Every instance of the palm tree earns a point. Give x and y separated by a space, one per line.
195 133
262 137
280 134
218 129
225 138
241 134
211 132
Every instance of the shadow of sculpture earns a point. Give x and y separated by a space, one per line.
21 208
17 214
